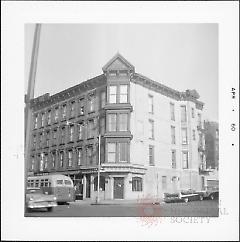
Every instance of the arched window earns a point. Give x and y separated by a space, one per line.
102 183
137 184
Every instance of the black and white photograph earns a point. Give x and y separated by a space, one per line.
121 120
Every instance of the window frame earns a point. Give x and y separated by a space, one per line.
151 157
137 184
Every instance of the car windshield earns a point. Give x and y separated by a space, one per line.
34 191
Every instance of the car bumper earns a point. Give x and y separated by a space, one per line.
42 205
172 199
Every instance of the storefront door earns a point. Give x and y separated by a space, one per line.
118 187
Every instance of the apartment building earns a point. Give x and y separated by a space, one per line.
151 135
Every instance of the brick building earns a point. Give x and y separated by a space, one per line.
151 135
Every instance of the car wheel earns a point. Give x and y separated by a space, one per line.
186 200
200 198
212 197
50 209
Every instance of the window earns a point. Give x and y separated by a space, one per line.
112 122
185 160
150 103
102 125
164 182
151 129
63 135
47 138
123 93
45 161
91 103
194 134
42 119
61 155
54 137
184 136
35 121
41 162
112 94
89 155
32 163
80 131
53 159
199 120
49 117
56 115
71 133
151 155
70 156
40 140
64 111
90 129
173 138
111 149
34 141
79 156
72 109
123 122
123 152
193 113
174 165
137 184
172 111
59 182
183 114
103 99
101 183
81 107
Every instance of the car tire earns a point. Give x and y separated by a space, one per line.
50 209
200 197
186 200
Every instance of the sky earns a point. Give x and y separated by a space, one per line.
181 56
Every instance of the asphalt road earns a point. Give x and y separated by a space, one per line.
206 208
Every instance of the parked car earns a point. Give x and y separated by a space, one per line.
36 199
182 196
210 193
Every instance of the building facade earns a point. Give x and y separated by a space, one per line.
151 135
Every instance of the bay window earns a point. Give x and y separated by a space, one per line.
123 94
112 94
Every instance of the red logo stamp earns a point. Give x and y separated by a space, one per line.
149 210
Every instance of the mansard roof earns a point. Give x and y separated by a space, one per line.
118 62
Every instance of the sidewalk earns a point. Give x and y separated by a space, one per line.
118 202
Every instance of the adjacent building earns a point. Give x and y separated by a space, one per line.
151 135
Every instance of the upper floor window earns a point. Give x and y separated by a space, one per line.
62 135
185 159
47 138
90 129
79 156
49 117
71 132
111 149
72 109
61 157
70 158
54 137
123 122
151 155
91 103
102 125
32 163
123 152
89 155
112 94
150 103
193 113
123 94
174 165
137 184
184 136
45 161
112 121
81 106
53 159
103 99
40 139
56 114
34 141
172 111
183 114
80 130
199 119
36 121
64 111
151 129
42 119
173 137
41 162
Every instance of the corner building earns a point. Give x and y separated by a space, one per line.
151 135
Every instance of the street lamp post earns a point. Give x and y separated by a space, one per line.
99 163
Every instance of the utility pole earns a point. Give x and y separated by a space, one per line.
28 97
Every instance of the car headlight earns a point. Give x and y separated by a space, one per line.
55 198
31 198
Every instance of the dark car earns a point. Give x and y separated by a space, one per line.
182 196
36 199
210 193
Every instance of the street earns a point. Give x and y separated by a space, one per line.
206 208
